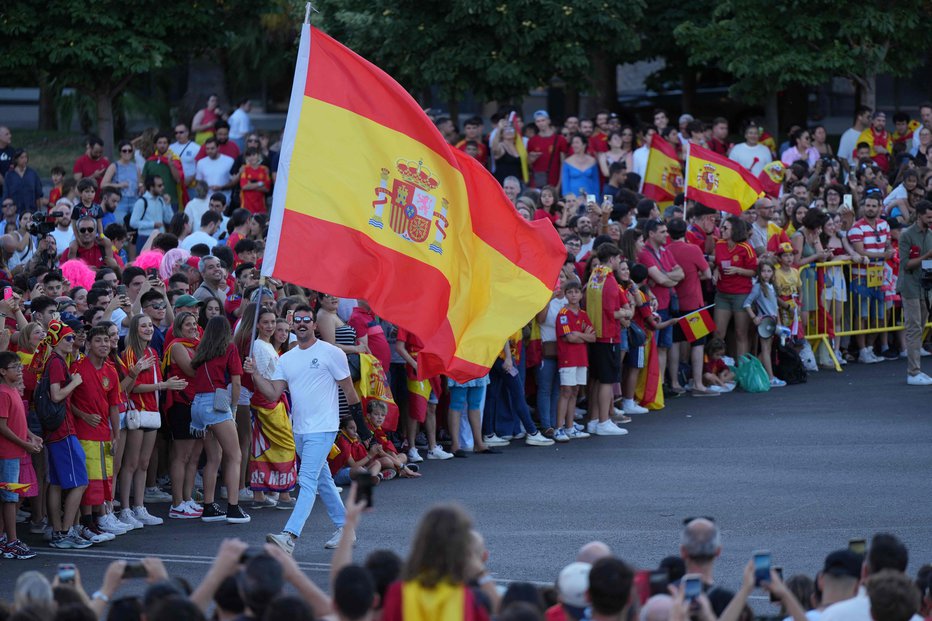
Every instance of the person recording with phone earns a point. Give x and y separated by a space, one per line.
700 547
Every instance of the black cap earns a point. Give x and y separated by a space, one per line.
843 563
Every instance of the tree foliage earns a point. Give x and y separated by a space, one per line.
497 49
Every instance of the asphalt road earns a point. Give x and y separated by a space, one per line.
797 471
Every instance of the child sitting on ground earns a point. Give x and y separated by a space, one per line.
715 373
353 459
388 455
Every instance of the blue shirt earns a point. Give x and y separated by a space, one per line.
25 190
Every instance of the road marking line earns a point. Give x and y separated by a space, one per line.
116 555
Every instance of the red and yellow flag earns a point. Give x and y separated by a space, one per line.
718 182
696 325
663 177
372 203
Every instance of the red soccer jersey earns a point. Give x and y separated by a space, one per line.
254 200
664 261
99 390
93 256
348 448
216 373
691 259
571 354
743 256
58 374
147 401
14 412
613 298
87 167
549 159
716 366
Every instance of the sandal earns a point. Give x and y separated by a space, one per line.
388 475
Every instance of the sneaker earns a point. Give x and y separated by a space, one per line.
388 474
889 354
194 506
154 494
866 356
905 354
519 436
548 432
560 436
37 528
246 494
282 540
183 512
630 407
576 434
22 516
420 441
93 535
213 513
622 420
578 427
438 453
236 515
268 503
109 524
608 428
494 441
579 413
920 379
414 457
18 550
128 518
923 352
288 505
59 541
590 427
142 515
76 541
334 541
48 534
538 439
776 382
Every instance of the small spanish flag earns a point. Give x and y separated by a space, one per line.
16 488
718 182
663 177
696 325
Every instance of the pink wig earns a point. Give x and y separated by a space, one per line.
171 259
149 259
78 273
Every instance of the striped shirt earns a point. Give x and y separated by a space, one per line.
874 237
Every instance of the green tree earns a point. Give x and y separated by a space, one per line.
98 47
807 42
496 49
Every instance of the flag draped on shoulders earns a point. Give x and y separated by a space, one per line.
372 203
720 183
663 177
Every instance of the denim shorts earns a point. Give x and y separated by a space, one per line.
203 414
9 471
665 336
342 477
466 398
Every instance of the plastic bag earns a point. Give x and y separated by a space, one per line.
751 375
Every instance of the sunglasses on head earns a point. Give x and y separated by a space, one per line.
303 319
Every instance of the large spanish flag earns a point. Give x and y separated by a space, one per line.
372 203
718 182
663 177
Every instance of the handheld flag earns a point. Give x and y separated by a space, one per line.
696 325
663 177
371 202
718 182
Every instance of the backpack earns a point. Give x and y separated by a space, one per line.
50 414
129 216
788 366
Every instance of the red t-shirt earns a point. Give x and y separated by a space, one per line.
691 259
348 448
186 395
58 374
598 143
482 156
715 366
364 322
87 167
664 262
227 148
548 161
13 410
146 401
99 390
571 354
216 373
743 256
254 200
92 255
613 298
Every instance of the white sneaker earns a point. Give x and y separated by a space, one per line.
630 407
866 356
923 352
538 439
246 494
920 379
494 440
282 540
194 506
334 541
414 457
438 453
520 435
579 413
608 428
560 436
128 518
154 494
91 536
576 434
142 515
776 382
109 524
591 426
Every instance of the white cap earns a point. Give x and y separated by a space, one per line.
573 584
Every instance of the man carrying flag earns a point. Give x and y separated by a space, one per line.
718 182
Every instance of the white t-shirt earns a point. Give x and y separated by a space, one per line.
312 376
548 329
63 238
858 608
198 237
215 172
639 161
186 153
745 155
196 208
240 125
847 144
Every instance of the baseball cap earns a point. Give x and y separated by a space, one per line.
843 563
541 114
186 301
573 584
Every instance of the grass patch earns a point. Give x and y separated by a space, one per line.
47 149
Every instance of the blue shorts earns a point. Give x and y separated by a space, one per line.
9 473
67 468
665 336
623 341
466 398
869 299
342 477
203 414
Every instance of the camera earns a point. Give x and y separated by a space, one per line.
925 278
46 225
